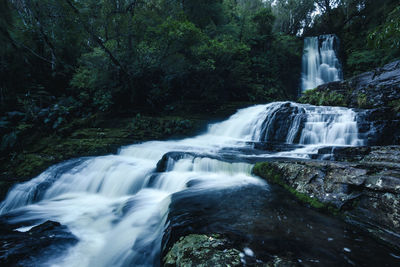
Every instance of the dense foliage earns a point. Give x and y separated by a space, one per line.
65 58
114 54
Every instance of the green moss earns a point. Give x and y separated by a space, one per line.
160 127
323 98
269 172
362 101
30 164
202 250
395 104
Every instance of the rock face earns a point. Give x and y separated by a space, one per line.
377 88
380 126
39 243
376 91
364 186
380 86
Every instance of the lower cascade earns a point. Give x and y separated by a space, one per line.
117 205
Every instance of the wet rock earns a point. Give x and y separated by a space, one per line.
202 250
39 243
274 146
379 126
380 86
229 155
268 227
343 153
280 122
280 262
373 89
170 157
215 250
366 188
383 154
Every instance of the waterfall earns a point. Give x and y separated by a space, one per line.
303 124
117 205
320 62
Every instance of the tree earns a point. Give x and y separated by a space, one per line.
203 13
387 35
109 54
292 15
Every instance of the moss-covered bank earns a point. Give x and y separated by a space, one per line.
272 174
363 190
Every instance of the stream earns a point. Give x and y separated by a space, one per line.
119 206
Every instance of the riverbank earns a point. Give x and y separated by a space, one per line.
361 185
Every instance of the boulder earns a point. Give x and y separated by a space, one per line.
276 126
39 243
202 250
215 250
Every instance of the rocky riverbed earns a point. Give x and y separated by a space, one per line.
339 211
263 226
338 208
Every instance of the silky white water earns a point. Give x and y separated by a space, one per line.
117 205
320 63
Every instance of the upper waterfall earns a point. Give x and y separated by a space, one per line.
320 62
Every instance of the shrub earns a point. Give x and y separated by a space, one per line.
323 98
362 101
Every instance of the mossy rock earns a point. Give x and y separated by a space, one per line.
202 251
270 173
31 163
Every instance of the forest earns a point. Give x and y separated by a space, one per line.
111 55
199 133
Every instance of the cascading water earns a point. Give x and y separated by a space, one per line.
320 62
308 125
117 205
